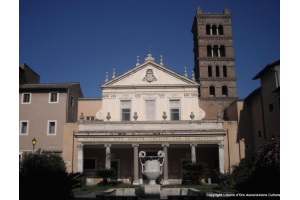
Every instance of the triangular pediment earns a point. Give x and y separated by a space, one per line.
150 74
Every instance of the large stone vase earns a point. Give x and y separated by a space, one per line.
152 165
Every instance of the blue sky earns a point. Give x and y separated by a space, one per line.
81 40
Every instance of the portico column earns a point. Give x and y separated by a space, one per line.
212 51
135 164
165 166
217 30
219 55
221 157
210 30
80 157
193 152
107 156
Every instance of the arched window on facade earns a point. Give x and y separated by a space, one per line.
212 91
222 51
209 71
214 30
209 51
220 29
224 91
207 29
224 71
215 51
217 71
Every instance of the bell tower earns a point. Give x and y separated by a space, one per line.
214 61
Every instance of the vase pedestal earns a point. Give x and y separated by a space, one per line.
152 190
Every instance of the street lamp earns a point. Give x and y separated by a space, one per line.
33 144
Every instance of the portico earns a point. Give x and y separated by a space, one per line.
190 142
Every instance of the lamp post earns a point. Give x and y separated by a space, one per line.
33 144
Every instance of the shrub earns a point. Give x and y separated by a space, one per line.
106 174
262 177
241 173
225 180
265 177
268 156
46 174
193 172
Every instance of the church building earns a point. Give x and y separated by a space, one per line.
151 108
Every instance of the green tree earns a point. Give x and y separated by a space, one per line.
45 174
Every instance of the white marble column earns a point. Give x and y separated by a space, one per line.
165 166
135 164
221 157
212 51
107 156
80 157
219 54
210 30
217 30
193 152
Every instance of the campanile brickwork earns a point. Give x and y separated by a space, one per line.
214 61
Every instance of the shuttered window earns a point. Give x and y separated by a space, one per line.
125 110
175 109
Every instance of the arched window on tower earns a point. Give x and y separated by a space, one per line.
212 91
222 51
221 32
224 71
207 29
224 91
209 51
217 71
215 51
214 30
209 71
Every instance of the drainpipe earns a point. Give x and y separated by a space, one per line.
276 77
73 153
228 152
263 117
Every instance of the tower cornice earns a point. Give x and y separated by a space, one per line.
218 79
216 58
219 98
218 37
213 16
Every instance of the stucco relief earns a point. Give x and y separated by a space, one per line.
125 96
200 114
149 76
174 96
99 115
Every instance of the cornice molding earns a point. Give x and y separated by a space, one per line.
219 37
218 98
218 79
216 58
213 16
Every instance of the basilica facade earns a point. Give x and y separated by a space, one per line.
149 108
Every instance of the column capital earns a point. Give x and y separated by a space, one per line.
107 145
193 145
221 145
165 145
80 145
135 145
